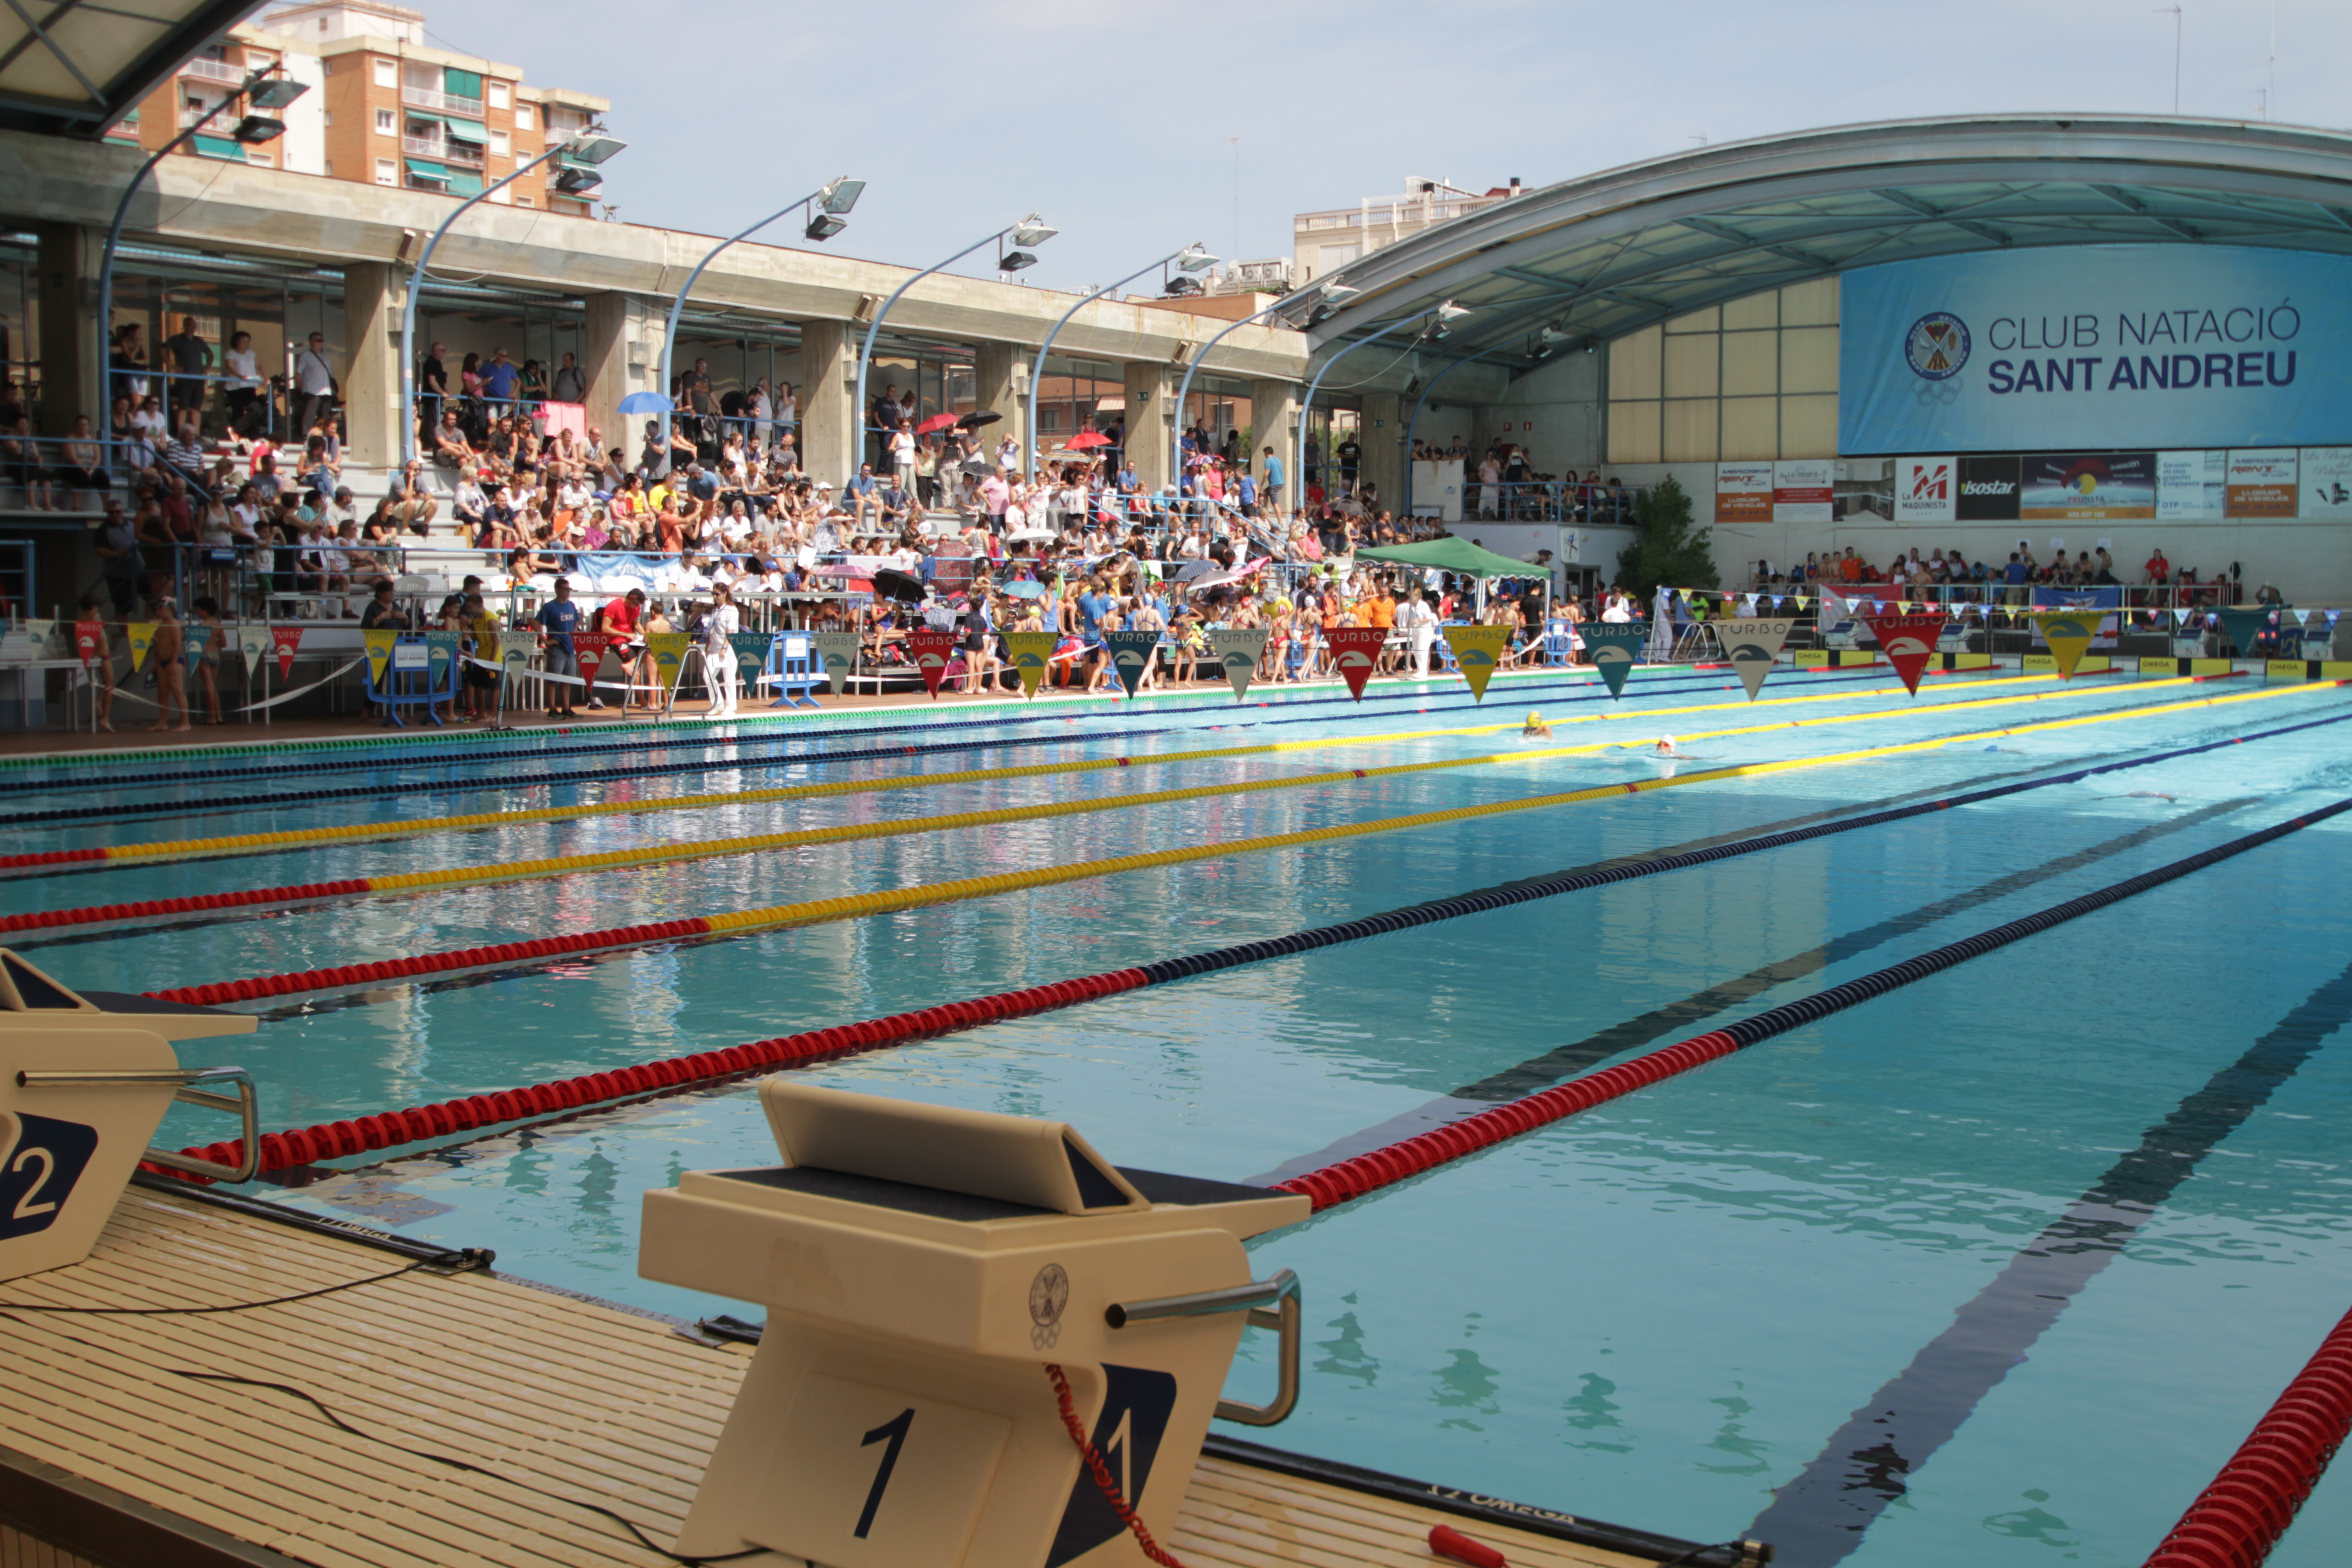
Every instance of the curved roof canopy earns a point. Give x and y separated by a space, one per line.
75 67
1596 258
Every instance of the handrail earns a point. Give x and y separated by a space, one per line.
246 1103
1281 1293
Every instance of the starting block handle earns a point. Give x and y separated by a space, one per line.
246 1103
1270 1303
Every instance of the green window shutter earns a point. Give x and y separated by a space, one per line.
220 147
425 168
461 84
465 185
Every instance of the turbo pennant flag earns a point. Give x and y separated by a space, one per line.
200 636
588 647
1237 652
379 641
514 654
440 659
750 651
1131 656
1908 642
37 633
1354 651
253 645
668 650
838 652
1477 650
2068 633
90 641
931 651
142 638
2243 625
287 640
1616 648
1032 651
1752 646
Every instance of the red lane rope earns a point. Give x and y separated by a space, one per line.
149 909
1103 1480
2237 1519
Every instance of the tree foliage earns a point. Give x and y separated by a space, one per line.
1666 551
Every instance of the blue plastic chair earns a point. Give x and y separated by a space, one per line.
413 677
793 667
1558 646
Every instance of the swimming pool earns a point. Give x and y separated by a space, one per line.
1656 1312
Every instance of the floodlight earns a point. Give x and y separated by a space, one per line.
1033 230
824 226
838 197
255 129
1195 259
578 181
1181 288
591 146
1014 261
275 92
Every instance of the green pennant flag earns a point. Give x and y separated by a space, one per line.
1615 647
2245 625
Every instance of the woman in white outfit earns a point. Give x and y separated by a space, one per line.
718 653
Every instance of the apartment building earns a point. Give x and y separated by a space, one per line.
385 107
1325 241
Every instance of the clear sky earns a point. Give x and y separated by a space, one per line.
1113 119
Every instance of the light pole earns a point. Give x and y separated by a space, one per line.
590 146
837 197
1440 322
1194 258
262 90
1333 294
1031 230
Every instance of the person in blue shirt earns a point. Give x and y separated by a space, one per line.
1273 466
1246 495
558 620
499 378
1127 483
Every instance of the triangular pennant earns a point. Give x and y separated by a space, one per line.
253 645
1615 647
1908 642
838 652
750 651
2069 633
1033 653
287 640
931 651
1131 656
668 650
90 641
199 638
1477 650
37 633
2243 626
142 638
1354 651
440 655
588 647
1237 651
514 655
378 641
1752 646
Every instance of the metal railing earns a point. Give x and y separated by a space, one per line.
214 70
447 103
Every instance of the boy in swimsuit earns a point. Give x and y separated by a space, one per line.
171 678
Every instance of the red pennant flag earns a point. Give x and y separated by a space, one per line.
90 640
1908 642
1354 651
589 649
286 639
932 650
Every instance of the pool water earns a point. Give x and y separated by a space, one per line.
1657 1312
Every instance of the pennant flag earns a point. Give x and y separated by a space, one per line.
252 645
1032 652
2068 633
440 659
286 639
1354 651
668 650
1477 650
2244 626
1908 642
1752 646
932 651
192 652
514 653
1616 648
38 634
750 651
1131 654
142 638
589 647
90 640
379 641
838 652
1238 650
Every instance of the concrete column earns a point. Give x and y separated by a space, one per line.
1274 421
371 407
1382 438
828 423
621 354
73 374
1001 373
1150 396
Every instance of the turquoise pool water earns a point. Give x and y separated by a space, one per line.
1655 1313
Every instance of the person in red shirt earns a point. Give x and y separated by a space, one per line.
624 620
2159 570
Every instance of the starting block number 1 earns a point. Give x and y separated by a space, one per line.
836 1500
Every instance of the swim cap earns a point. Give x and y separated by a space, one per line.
1534 717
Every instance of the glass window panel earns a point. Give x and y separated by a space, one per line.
1808 359
1687 430
1632 432
1752 365
1809 427
1691 365
1812 304
1755 310
1707 320
1633 367
1751 428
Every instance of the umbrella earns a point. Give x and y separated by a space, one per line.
893 584
978 417
1031 536
936 422
980 466
1191 569
1024 588
644 403
1087 440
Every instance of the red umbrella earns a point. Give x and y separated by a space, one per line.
936 422
1086 441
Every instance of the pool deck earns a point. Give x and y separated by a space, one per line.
109 1457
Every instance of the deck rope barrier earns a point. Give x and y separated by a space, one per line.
756 844
2241 1513
167 850
281 1151
1368 1172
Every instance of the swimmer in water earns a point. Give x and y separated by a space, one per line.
1536 726
1666 746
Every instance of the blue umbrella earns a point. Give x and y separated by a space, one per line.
644 403
1024 588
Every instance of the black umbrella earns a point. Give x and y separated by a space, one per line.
893 584
979 465
978 417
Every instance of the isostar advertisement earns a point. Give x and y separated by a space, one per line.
1989 488
2096 347
2086 486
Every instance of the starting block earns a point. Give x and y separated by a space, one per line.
935 1279
85 1079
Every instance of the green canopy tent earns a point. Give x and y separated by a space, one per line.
1456 555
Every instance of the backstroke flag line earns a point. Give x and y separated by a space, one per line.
1478 651
1615 648
1131 654
2069 633
838 652
1752 646
1237 651
2246 625
1908 642
1030 651
932 651
1354 651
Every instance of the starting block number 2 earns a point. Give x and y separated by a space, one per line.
40 1161
838 1501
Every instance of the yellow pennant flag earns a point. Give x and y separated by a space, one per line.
668 650
1031 651
379 641
142 638
1479 651
2069 634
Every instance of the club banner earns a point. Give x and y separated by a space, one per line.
1131 656
2069 634
1237 652
1031 653
589 649
750 651
1752 646
1615 647
1908 642
931 651
440 659
1354 652
287 641
142 638
199 638
252 645
2246 625
668 650
378 641
838 652
1478 651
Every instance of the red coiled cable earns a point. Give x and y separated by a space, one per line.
1104 1479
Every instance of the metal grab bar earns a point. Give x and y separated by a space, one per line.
246 1102
1280 1293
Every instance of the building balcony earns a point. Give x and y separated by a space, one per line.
445 104
213 70
459 153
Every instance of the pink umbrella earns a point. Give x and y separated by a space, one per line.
936 422
1086 441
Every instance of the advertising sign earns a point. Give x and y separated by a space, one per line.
1743 492
2189 484
1988 490
1927 490
2260 484
2327 484
2093 346
2087 485
1804 490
